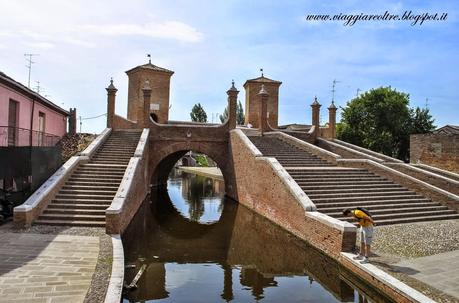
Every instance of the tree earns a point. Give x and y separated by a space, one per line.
198 114
239 114
381 120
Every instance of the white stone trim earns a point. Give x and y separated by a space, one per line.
96 143
253 149
425 172
367 151
115 285
351 150
46 188
405 176
125 186
332 222
383 277
142 143
447 172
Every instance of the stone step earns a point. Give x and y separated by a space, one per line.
99 161
78 192
345 183
418 219
94 180
97 176
393 215
90 182
72 217
398 210
352 186
336 178
90 171
92 165
82 201
74 211
327 209
84 196
355 189
370 203
90 187
365 198
329 172
80 223
399 192
305 165
53 205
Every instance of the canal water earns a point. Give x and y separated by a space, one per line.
198 246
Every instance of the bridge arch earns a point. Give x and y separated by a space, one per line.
164 157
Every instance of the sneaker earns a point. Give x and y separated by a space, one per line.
365 260
358 257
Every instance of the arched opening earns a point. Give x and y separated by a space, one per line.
154 117
194 184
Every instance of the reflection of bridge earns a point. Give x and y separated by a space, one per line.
299 180
240 238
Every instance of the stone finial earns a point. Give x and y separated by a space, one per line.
111 87
332 106
263 90
233 88
315 102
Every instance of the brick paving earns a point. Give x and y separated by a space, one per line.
45 267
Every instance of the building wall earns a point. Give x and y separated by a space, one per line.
439 150
55 123
252 103
159 83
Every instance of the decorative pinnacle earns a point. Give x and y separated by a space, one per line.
233 88
261 70
263 90
149 58
315 103
332 105
111 86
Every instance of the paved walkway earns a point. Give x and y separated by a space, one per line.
45 267
212 172
440 271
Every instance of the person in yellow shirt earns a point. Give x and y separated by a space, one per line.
366 232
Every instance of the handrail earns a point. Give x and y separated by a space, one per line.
18 136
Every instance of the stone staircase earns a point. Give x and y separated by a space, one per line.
89 191
334 188
287 155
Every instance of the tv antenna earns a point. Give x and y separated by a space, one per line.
37 88
149 58
261 70
427 103
29 65
358 92
334 90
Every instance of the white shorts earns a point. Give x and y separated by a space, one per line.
366 235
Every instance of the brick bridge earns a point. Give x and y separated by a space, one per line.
300 179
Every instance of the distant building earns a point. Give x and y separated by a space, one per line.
26 117
439 148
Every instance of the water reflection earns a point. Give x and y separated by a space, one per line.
240 258
196 197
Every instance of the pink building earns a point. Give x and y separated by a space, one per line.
22 110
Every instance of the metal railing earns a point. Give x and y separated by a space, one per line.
16 136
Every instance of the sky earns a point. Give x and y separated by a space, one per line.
82 44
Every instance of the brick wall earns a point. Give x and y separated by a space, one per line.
439 150
263 186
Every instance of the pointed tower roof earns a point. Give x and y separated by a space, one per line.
262 79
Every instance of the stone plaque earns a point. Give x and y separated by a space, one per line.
154 106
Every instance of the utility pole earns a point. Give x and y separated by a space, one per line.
29 65
334 90
37 88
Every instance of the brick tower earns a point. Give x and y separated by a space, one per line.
252 101
159 79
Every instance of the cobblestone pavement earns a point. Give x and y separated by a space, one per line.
45 267
441 271
423 255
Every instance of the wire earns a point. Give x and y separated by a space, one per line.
95 117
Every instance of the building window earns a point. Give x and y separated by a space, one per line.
13 117
41 128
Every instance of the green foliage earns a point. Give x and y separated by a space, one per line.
381 120
198 114
239 114
201 160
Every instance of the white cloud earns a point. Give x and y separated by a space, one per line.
41 45
167 30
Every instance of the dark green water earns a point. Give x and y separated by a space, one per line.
200 247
